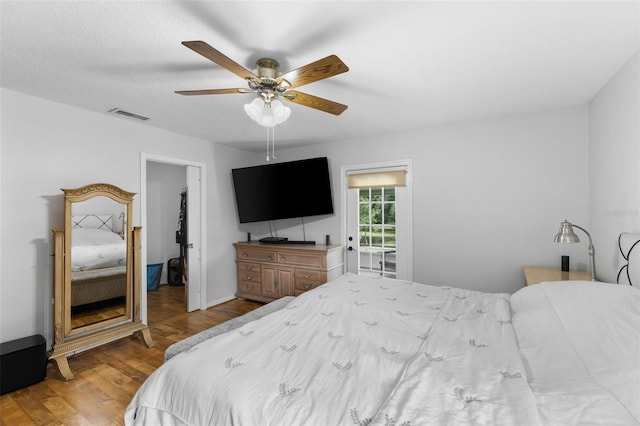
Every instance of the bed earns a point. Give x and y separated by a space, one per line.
376 351
98 260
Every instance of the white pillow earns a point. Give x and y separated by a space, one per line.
580 341
87 236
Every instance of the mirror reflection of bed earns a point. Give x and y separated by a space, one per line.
98 262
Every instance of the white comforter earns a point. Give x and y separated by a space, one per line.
95 249
358 351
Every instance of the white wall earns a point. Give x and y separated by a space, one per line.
47 146
165 182
488 196
221 211
614 129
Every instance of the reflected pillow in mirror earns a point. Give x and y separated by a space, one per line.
87 237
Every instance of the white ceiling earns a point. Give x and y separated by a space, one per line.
412 64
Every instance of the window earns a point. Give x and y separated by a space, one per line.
377 230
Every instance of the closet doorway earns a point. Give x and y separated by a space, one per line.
171 201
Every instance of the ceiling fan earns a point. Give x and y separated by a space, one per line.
269 84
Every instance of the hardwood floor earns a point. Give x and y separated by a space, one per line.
96 312
107 377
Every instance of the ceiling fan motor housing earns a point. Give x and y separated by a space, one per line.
267 68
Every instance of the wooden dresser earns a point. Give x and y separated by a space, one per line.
267 272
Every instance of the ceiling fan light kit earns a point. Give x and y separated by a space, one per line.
267 114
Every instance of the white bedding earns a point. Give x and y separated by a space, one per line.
358 351
95 249
581 345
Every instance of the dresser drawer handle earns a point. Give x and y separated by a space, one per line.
249 278
306 276
307 286
269 257
249 267
248 287
245 255
283 259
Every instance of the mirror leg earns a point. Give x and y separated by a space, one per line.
63 367
146 335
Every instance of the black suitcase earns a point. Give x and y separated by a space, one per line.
174 271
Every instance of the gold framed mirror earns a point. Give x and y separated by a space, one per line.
96 272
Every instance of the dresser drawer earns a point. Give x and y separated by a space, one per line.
248 267
310 275
257 255
305 285
248 288
306 279
250 276
289 258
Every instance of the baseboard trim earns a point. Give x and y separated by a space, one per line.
220 301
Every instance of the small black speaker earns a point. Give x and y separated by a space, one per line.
23 362
327 239
248 237
565 263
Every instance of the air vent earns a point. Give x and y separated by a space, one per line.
119 111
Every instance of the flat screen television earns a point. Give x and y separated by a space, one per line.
283 190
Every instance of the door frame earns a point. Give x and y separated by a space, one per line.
201 186
374 167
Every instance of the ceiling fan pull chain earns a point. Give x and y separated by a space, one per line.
273 142
268 145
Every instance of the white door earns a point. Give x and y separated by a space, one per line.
193 254
378 224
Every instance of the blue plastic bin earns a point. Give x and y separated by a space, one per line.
154 271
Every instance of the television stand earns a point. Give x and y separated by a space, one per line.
273 240
270 271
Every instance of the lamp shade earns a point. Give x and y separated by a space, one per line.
280 112
267 115
566 234
254 109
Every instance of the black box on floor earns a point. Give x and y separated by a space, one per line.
174 271
23 362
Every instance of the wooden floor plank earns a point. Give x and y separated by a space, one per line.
106 378
13 413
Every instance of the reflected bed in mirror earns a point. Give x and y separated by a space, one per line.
98 267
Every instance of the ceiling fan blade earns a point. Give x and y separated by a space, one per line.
314 102
212 91
219 58
318 70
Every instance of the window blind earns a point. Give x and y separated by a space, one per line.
377 179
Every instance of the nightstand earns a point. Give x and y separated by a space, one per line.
537 274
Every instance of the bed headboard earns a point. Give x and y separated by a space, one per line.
93 221
629 259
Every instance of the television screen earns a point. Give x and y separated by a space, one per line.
283 190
